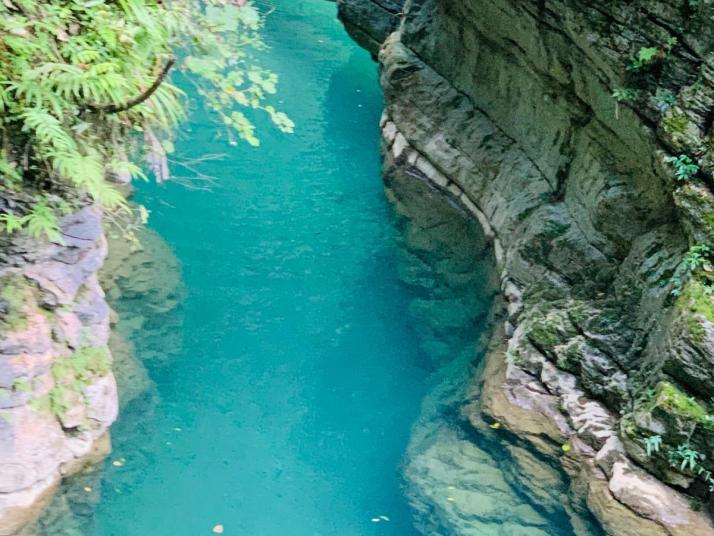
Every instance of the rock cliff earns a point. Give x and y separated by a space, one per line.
58 395
579 134
61 348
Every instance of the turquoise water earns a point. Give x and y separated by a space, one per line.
280 394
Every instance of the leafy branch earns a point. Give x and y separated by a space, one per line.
116 108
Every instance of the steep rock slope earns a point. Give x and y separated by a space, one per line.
551 122
58 395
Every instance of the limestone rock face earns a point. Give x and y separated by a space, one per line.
369 22
58 396
543 120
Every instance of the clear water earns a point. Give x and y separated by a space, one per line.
280 400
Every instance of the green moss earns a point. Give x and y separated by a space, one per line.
570 356
13 296
22 385
577 313
697 302
675 123
544 334
73 373
675 402
708 218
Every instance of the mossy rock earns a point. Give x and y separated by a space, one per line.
697 203
675 403
15 294
546 331
73 373
571 355
689 348
678 418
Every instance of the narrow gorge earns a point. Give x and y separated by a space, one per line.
470 295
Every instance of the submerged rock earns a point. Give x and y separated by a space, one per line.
511 109
57 392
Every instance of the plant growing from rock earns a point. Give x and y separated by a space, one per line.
696 257
652 444
623 94
684 167
684 457
645 57
73 373
84 87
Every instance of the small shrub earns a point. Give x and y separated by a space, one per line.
684 167
645 57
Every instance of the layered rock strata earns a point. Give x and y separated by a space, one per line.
562 126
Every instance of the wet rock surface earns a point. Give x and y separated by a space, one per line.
465 477
606 341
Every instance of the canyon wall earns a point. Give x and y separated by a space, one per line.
68 361
566 129
58 395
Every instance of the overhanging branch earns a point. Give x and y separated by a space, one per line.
128 105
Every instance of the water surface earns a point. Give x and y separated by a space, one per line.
281 386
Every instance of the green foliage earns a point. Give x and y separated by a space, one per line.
22 385
652 444
684 457
75 372
675 123
696 257
623 94
84 83
684 167
645 57
677 403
